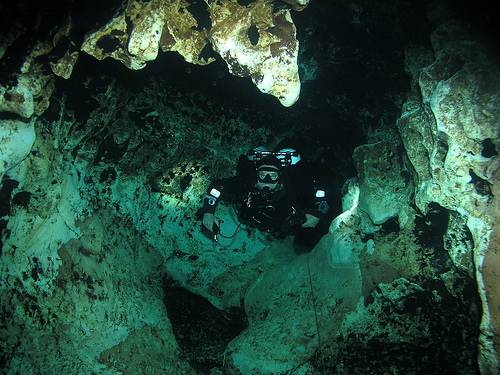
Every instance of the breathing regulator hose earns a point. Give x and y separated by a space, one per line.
216 231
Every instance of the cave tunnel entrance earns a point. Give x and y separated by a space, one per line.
201 329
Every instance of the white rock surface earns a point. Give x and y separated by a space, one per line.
384 181
460 110
16 139
271 61
270 58
18 100
283 332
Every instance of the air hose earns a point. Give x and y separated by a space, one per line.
216 232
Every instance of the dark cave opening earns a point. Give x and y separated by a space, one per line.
489 149
430 228
199 10
447 342
481 186
201 329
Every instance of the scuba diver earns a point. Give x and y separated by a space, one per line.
267 195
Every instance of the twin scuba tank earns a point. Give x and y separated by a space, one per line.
287 156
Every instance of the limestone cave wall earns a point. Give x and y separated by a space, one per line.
114 120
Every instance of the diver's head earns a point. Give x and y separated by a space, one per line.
268 173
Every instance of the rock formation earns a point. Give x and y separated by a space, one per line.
101 180
456 127
254 40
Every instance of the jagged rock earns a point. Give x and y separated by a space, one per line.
445 135
35 85
16 140
81 251
17 100
405 326
106 200
64 66
135 35
368 292
96 304
284 303
254 41
35 78
384 181
298 4
458 242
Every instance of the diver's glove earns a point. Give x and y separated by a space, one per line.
209 222
296 218
311 221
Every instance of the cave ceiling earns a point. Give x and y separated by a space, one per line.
352 80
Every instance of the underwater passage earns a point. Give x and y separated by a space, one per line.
161 214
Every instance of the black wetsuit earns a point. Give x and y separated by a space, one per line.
275 212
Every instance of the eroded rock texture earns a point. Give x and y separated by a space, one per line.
102 177
411 274
85 209
453 124
256 40
135 35
262 44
